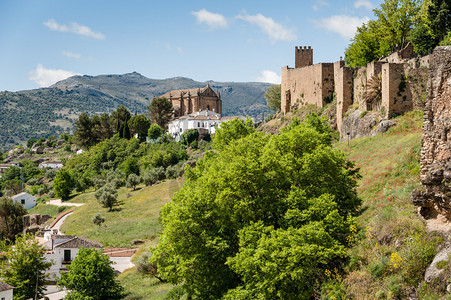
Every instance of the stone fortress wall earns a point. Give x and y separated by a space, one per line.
402 80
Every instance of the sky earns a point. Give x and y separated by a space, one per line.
44 41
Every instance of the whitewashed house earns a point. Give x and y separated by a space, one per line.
206 119
28 201
52 164
6 291
62 250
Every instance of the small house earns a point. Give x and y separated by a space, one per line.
52 164
62 250
28 201
6 291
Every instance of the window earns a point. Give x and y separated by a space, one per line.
66 255
3 298
22 201
198 124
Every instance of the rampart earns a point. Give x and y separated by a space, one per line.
392 86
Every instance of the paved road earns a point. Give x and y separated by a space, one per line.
53 293
59 202
60 222
122 263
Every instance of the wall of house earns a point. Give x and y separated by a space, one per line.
7 295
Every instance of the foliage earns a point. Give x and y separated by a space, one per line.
63 184
154 132
139 124
12 187
98 219
132 181
107 196
153 175
120 118
260 217
273 98
161 111
11 213
389 32
130 166
90 275
232 130
189 136
25 268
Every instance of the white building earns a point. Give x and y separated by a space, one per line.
206 119
6 291
63 249
27 200
52 164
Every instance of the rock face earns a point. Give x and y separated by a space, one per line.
363 124
434 197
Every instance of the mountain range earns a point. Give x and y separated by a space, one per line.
51 111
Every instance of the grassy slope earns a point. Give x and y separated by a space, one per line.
137 217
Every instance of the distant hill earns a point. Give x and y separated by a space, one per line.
53 110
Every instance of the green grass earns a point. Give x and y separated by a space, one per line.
394 248
48 209
139 286
136 217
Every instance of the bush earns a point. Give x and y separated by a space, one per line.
132 181
50 173
33 181
144 266
153 175
189 136
173 172
97 219
154 132
51 194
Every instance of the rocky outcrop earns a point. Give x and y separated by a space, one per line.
359 124
434 197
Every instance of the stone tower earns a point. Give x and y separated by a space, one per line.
303 57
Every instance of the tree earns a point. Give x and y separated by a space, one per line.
139 124
189 136
261 217
90 276
161 111
63 184
120 118
154 132
25 268
98 219
11 213
31 142
13 186
83 134
132 181
232 130
272 96
107 196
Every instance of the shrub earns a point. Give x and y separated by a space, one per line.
98 219
189 136
132 181
173 171
153 175
51 194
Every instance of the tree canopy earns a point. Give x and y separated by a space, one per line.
161 111
272 96
260 217
25 268
90 276
11 223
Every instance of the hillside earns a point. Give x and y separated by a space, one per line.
51 111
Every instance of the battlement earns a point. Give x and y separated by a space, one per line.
303 56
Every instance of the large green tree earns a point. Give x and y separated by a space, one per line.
11 223
63 184
272 96
161 111
24 268
260 217
139 124
91 276
83 134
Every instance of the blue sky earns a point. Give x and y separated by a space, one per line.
43 41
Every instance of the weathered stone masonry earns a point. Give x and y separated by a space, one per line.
400 75
434 197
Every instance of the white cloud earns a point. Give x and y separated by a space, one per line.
71 54
74 28
319 3
214 21
345 26
46 77
269 77
363 3
274 30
